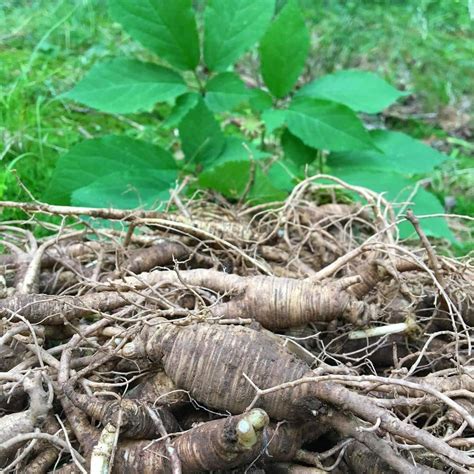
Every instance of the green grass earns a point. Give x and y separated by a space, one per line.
424 46
48 49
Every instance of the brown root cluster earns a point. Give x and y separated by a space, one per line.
300 336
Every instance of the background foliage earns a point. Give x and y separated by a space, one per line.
48 46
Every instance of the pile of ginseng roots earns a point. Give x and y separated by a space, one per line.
294 337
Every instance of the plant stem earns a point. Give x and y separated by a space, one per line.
198 80
319 157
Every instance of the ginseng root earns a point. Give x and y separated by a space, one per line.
276 303
222 366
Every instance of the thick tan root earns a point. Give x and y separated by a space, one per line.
55 310
276 303
221 444
82 309
228 363
215 374
131 416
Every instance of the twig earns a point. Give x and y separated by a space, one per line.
126 215
29 283
42 436
175 462
349 427
137 216
363 407
68 441
313 459
22 456
426 243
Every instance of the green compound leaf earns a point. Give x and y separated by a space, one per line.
125 190
412 156
399 152
97 158
362 91
389 182
229 174
231 27
295 150
327 125
225 92
283 50
201 136
126 86
184 103
166 27
260 100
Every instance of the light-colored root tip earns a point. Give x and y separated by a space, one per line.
378 331
258 418
246 434
248 427
129 350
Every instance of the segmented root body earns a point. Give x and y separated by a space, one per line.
275 302
221 357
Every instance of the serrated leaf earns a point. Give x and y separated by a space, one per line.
231 28
295 150
126 86
368 160
399 152
411 155
166 27
273 119
125 190
362 91
201 137
236 149
399 188
231 172
93 159
184 103
390 182
283 50
225 92
327 125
